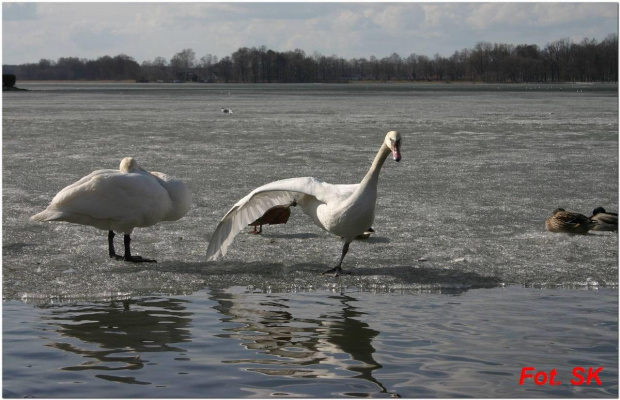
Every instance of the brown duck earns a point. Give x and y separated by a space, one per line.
569 222
274 216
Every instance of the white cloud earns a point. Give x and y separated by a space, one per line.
398 18
548 15
489 14
436 14
19 11
147 30
347 21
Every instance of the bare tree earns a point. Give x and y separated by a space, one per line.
182 64
205 67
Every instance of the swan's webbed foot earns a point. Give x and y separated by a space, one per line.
137 259
336 271
133 259
127 257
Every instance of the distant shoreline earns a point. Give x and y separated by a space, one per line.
75 81
13 89
353 82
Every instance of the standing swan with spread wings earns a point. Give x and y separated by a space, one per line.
344 210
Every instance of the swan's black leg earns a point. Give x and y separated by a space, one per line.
129 257
337 270
111 247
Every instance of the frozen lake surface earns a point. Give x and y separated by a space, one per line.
459 288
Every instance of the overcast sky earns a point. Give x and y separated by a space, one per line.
32 31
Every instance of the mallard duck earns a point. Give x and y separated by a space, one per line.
274 216
568 222
605 221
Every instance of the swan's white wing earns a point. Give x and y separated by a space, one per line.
261 199
179 193
106 198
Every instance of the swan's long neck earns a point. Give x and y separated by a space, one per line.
372 176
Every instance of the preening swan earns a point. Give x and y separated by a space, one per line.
119 201
344 210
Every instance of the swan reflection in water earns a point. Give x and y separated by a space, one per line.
320 345
122 332
283 336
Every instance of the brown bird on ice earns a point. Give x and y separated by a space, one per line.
274 216
568 222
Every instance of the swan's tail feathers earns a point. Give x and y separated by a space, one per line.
244 212
48 215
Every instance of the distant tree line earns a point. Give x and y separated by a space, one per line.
559 61
121 67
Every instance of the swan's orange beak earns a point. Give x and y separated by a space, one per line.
396 151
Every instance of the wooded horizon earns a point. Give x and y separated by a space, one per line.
559 61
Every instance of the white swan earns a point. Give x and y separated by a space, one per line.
119 201
344 210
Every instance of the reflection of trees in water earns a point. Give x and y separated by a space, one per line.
335 340
121 331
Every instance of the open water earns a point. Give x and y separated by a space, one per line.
458 290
